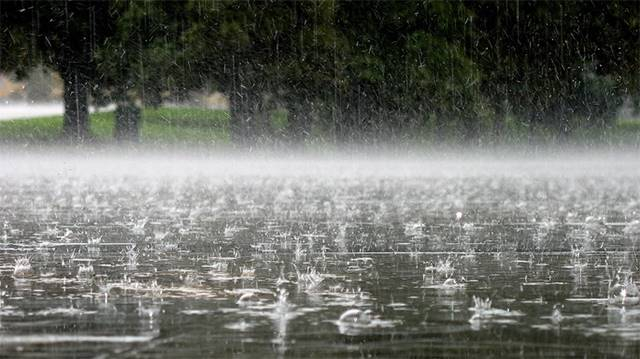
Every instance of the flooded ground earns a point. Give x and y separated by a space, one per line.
256 259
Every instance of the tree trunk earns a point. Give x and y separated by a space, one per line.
152 97
237 126
243 118
127 126
470 125
348 123
75 126
501 112
299 123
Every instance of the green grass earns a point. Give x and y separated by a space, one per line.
185 125
37 130
199 126
169 125
626 131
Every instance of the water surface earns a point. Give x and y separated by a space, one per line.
219 258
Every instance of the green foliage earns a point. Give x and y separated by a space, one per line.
278 121
139 59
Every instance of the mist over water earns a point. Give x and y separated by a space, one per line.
362 163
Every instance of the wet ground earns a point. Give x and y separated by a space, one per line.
355 263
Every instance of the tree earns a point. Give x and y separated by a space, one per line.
233 45
64 35
403 62
371 67
555 63
138 61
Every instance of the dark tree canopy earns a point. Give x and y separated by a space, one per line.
63 35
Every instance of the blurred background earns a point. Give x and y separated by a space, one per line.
321 73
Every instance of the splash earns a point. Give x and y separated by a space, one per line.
22 268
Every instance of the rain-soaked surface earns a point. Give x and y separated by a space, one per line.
216 258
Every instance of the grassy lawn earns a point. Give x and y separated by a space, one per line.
206 127
626 132
169 125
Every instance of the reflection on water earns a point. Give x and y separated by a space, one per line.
320 266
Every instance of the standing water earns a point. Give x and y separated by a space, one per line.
252 257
